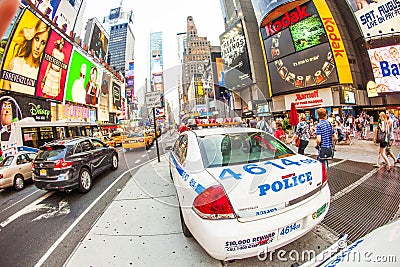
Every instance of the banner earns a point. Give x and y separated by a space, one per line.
116 97
377 18
103 110
98 42
385 62
235 58
84 80
24 54
53 71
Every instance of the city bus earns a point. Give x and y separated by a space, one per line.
29 134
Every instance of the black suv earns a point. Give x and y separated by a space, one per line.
70 164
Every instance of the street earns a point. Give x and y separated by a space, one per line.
131 215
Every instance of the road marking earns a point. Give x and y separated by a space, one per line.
30 208
37 190
137 161
144 155
62 237
61 209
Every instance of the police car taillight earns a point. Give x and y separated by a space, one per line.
213 204
324 174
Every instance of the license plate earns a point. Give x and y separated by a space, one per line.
43 172
289 229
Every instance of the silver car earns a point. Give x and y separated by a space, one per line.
15 169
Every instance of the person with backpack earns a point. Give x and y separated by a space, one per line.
302 133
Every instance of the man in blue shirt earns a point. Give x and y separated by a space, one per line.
325 134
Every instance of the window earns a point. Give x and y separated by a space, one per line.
97 144
78 149
86 145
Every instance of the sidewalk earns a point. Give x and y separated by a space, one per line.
141 227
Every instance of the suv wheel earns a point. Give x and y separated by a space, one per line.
114 162
85 181
18 182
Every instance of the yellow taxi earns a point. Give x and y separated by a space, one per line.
107 140
137 140
117 137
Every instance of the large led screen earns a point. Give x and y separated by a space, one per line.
377 18
385 63
98 42
309 68
235 58
84 81
303 48
24 55
54 67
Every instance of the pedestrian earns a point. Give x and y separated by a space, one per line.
383 126
390 132
325 136
371 123
280 133
303 133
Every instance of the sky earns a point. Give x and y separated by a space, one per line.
169 17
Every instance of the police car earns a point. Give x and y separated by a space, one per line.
242 192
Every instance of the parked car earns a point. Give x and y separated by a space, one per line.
137 140
15 170
240 191
70 164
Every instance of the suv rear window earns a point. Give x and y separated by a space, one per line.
54 152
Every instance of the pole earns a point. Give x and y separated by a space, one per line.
155 133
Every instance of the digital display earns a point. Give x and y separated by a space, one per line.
308 33
349 97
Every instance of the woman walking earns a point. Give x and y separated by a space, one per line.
303 133
383 126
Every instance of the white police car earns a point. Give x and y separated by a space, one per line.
242 192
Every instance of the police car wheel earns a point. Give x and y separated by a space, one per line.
185 229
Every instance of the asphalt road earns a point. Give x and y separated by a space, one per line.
42 228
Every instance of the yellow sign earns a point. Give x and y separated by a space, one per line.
336 41
371 89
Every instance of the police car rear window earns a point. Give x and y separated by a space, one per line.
240 148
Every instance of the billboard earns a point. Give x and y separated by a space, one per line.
98 42
385 63
377 18
304 49
84 80
235 58
262 7
24 54
116 96
21 106
54 67
104 101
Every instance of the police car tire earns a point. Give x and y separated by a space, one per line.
185 229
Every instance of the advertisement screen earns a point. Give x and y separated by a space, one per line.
308 33
103 111
84 81
235 58
377 18
116 96
385 63
53 70
262 7
23 57
279 45
98 42
304 48
309 68
349 97
20 107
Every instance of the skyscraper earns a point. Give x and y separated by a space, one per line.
122 40
156 62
